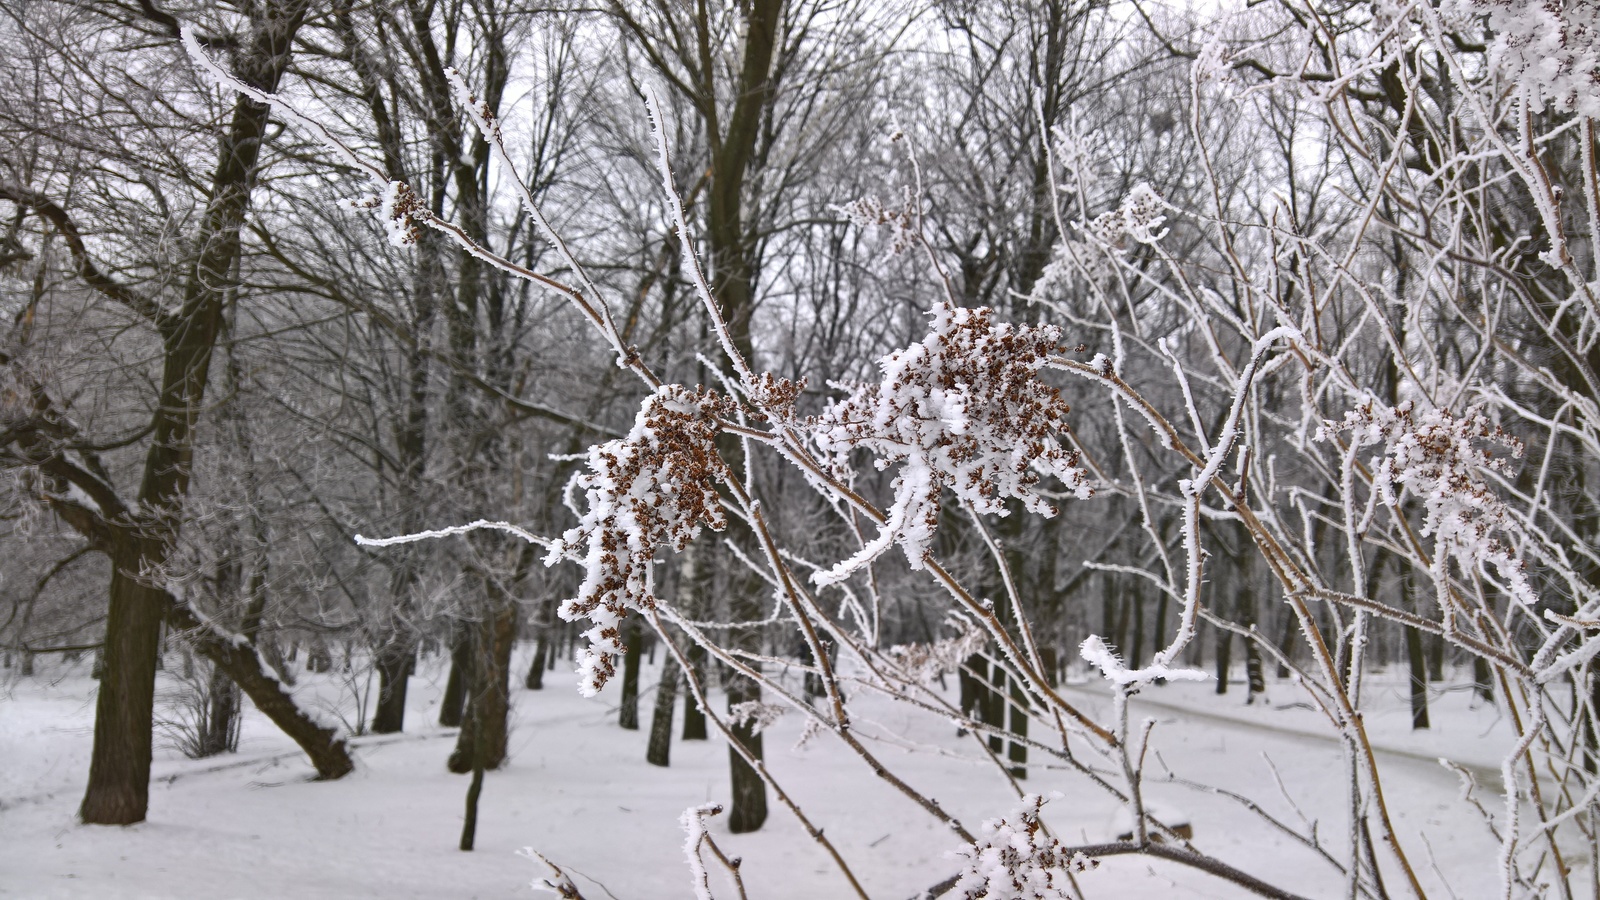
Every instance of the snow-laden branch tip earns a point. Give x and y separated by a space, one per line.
479 525
1095 652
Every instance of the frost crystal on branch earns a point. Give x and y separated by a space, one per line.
926 662
1014 859
1438 456
656 486
963 409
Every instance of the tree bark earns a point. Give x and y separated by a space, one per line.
395 664
658 752
453 704
483 731
632 642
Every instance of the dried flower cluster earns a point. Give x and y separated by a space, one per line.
1140 216
1015 859
656 486
1439 457
925 662
963 409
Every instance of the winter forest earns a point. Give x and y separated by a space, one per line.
771 449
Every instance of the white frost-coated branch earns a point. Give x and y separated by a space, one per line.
479 525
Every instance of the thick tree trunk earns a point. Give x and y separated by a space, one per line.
396 662
483 731
119 768
748 809
1017 751
632 642
659 750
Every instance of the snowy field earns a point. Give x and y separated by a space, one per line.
578 790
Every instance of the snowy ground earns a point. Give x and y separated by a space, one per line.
578 790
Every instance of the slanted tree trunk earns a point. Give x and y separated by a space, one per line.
251 673
658 752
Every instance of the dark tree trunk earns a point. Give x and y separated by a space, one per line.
659 751
483 731
694 718
1224 658
1435 649
632 643
395 665
1414 652
119 768
1482 679
1018 751
219 731
749 793
535 679
1286 641
456 686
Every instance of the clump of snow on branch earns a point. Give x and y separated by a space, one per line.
1095 652
963 409
925 662
757 715
655 486
693 822
1140 217
1548 48
870 213
1439 456
397 206
1014 858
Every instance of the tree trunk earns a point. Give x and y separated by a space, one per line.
1224 658
748 809
396 661
1017 752
250 672
483 731
219 732
535 678
119 767
632 642
659 750
452 705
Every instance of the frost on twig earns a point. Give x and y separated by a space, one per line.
656 486
925 662
963 409
1439 456
755 714
1014 858
1095 652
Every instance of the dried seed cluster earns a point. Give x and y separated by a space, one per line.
963 409
656 486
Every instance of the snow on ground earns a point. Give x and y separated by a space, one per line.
577 789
